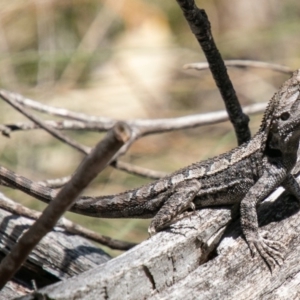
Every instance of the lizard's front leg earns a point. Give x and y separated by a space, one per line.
269 250
180 200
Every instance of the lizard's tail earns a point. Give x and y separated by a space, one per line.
29 187
115 206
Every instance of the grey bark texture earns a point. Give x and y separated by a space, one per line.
57 257
188 260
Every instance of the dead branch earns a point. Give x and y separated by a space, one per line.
200 26
238 63
87 171
10 100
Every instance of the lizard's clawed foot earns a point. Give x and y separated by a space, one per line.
272 252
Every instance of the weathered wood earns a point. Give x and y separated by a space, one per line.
234 275
179 261
151 266
176 263
13 290
59 256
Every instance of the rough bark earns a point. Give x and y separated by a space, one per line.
152 266
58 256
184 260
188 260
232 274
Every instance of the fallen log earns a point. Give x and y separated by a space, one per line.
59 256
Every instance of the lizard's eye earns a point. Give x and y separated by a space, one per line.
284 116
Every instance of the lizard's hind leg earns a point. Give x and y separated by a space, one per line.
180 200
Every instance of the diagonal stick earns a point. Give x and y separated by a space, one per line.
89 168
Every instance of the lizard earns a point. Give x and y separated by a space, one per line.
242 177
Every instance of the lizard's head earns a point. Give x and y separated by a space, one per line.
285 122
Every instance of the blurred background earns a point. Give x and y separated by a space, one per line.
123 60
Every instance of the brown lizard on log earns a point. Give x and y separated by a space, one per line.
244 176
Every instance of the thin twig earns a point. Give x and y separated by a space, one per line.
86 172
50 183
139 127
61 112
74 228
143 126
18 209
147 127
60 125
136 170
10 100
238 63
200 26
